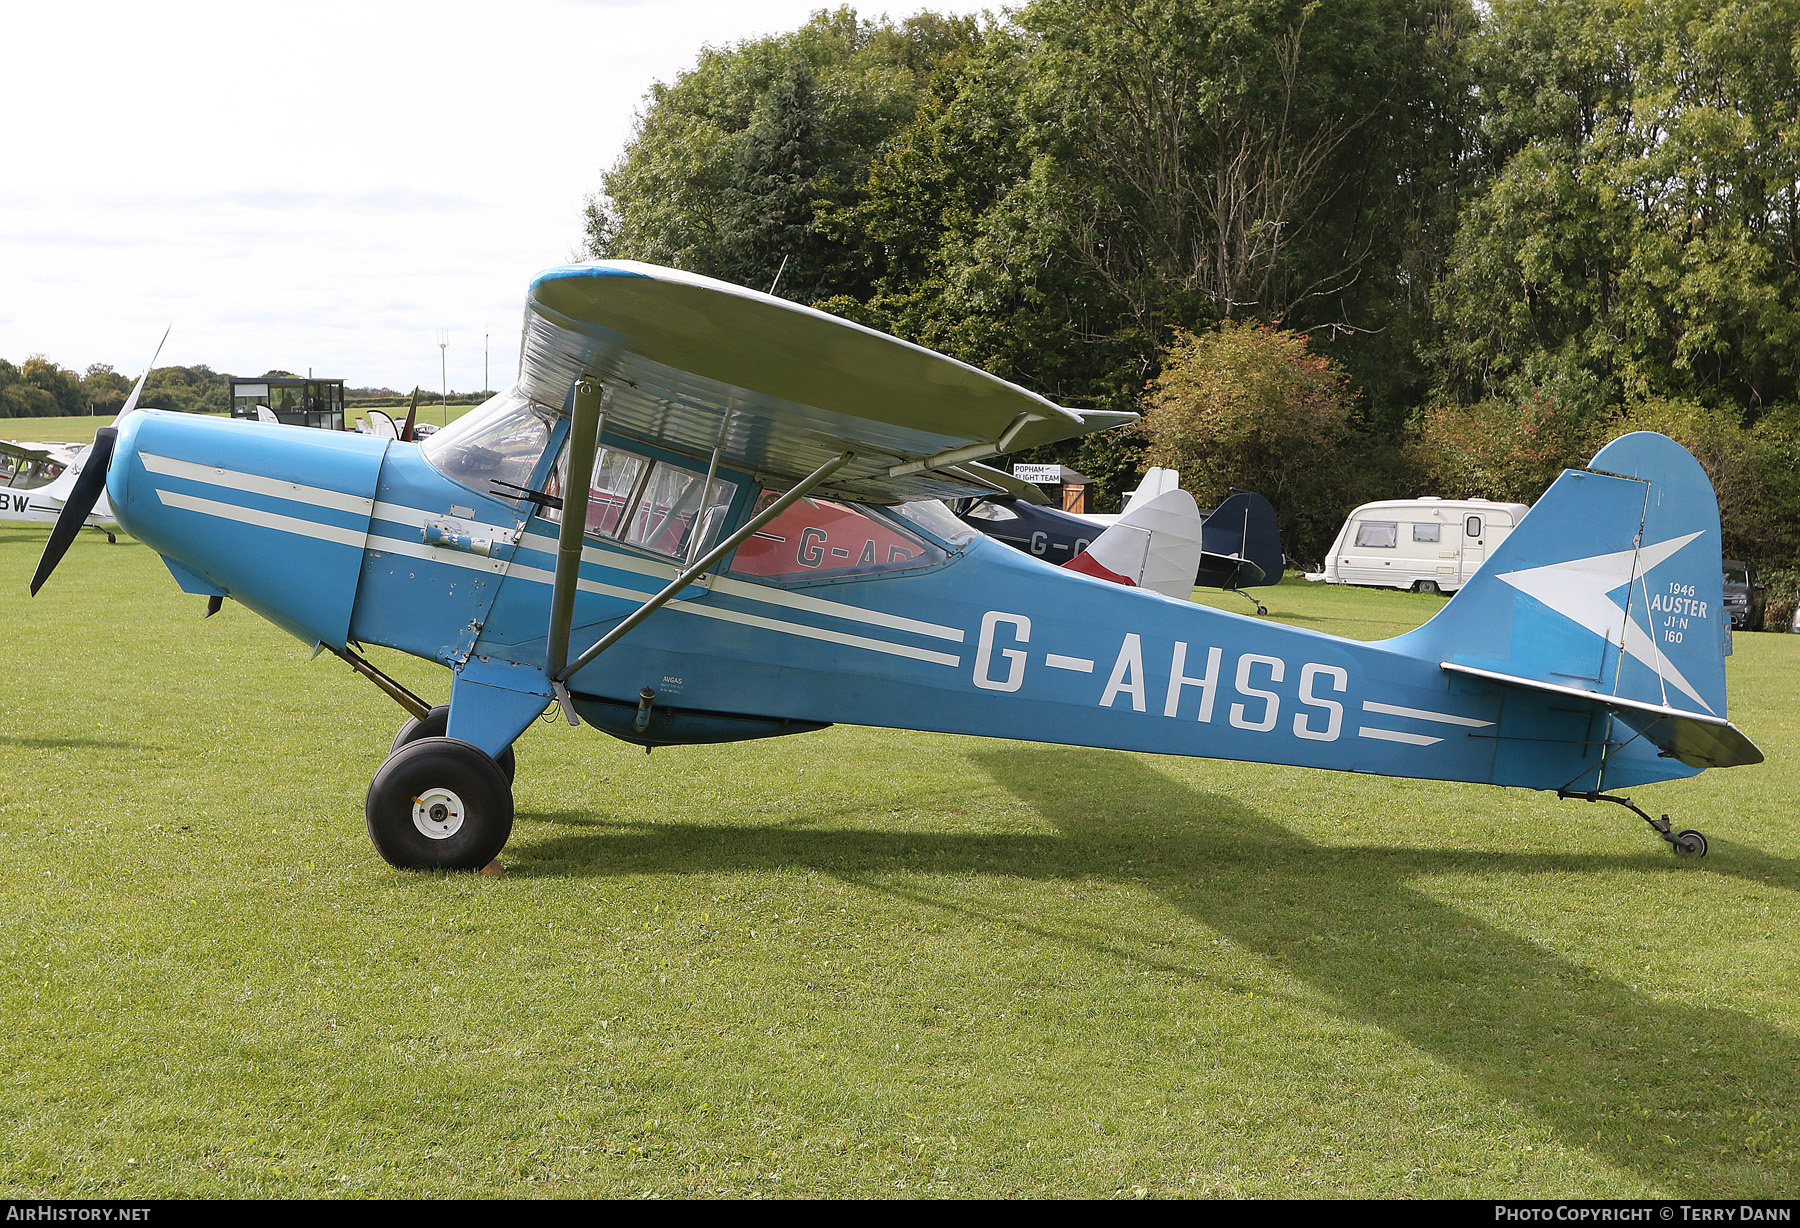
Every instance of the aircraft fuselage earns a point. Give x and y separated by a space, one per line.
350 539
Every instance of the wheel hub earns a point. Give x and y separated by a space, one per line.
438 813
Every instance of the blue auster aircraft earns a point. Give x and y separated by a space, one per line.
704 514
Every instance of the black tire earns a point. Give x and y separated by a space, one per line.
1690 843
439 804
1426 586
436 724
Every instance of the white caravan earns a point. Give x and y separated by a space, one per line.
1429 544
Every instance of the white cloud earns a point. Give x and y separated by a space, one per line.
324 185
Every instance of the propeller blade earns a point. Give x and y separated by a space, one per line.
412 413
82 497
90 481
137 388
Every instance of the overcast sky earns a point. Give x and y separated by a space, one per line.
320 185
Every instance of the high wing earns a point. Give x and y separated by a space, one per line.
38 453
774 388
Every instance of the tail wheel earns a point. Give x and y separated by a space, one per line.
1689 843
439 804
436 724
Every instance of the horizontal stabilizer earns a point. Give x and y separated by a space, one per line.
1228 571
1693 738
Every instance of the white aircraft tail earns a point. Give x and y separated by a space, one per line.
1155 545
1157 482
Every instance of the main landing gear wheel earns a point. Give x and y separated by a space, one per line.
439 804
436 724
1689 843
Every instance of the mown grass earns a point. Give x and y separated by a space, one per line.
78 429
852 963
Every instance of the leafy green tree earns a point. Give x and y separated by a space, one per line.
971 260
1501 449
61 384
19 399
197 389
104 389
1263 159
1638 239
1252 407
734 160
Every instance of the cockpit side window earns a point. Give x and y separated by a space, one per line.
655 505
28 474
822 538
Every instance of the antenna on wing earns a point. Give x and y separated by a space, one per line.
778 273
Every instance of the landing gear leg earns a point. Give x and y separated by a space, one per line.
1686 843
436 724
1260 607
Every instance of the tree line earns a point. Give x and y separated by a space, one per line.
43 389
1335 251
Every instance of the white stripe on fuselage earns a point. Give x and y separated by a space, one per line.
231 479
1421 714
264 520
250 483
755 592
660 572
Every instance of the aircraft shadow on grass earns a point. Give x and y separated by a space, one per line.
1693 1100
52 743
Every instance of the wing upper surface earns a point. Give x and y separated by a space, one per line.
60 455
688 362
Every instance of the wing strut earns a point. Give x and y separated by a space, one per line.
559 677
968 452
584 442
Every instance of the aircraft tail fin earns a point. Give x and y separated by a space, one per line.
1242 543
1157 481
1609 590
1156 546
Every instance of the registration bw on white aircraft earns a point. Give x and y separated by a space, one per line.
35 481
704 514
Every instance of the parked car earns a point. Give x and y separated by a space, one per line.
1746 596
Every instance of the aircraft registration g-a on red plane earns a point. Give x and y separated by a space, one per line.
705 514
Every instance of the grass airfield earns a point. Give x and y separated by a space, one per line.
852 963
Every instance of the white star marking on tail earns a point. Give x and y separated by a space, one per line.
1579 590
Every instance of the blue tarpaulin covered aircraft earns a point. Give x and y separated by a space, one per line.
704 514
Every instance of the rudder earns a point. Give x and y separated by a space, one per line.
1612 584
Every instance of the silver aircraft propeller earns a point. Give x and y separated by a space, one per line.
88 483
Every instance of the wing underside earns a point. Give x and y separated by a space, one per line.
778 389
